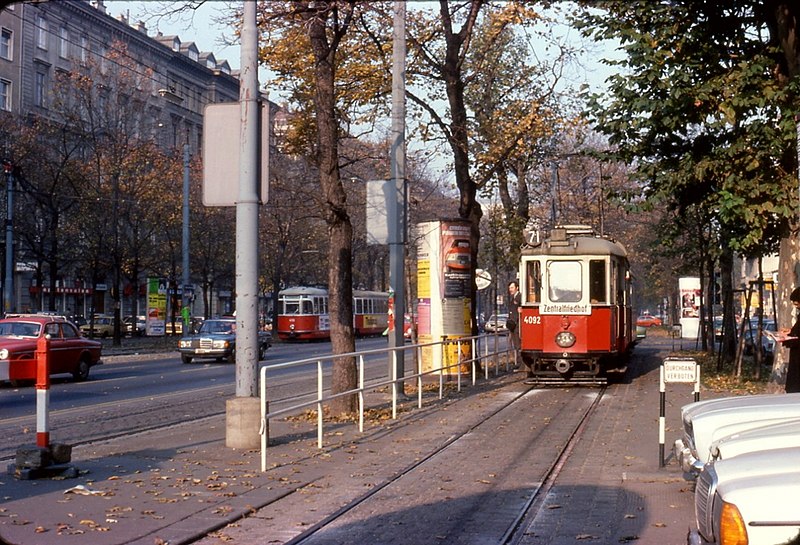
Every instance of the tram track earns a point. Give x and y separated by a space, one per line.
535 503
414 479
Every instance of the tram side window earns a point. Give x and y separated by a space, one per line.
597 281
359 306
308 307
533 281
564 281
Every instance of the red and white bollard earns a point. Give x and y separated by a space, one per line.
43 392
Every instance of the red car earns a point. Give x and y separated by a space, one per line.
648 320
69 352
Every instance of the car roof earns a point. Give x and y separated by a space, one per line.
41 318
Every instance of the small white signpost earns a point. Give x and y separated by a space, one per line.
677 370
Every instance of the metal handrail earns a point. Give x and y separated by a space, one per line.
394 380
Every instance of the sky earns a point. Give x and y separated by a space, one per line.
201 27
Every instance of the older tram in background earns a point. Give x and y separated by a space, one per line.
303 313
576 321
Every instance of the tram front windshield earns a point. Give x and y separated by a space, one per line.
297 306
564 281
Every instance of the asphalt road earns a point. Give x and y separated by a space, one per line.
128 394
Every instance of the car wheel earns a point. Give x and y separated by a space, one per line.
185 358
232 357
82 372
262 352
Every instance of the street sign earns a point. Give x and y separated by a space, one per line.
680 370
482 279
221 137
684 370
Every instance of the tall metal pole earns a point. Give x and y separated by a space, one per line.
8 286
185 241
397 230
242 412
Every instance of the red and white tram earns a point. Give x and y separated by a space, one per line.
303 313
576 322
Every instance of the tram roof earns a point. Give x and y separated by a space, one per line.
303 290
370 293
307 290
577 245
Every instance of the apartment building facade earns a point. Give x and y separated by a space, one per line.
40 39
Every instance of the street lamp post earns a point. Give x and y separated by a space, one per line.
8 285
185 239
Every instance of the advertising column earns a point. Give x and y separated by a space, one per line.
155 324
689 297
444 272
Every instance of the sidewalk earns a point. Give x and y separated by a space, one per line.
180 484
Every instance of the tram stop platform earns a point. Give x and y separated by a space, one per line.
183 485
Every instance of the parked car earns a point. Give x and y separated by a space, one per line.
496 324
70 352
748 499
768 343
178 326
134 325
216 339
103 326
705 422
647 320
771 436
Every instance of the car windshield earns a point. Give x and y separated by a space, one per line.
19 329
217 326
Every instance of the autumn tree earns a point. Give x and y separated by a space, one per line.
306 42
46 165
103 103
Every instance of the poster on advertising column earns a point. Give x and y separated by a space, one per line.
444 272
690 301
156 319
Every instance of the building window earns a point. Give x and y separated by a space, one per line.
38 92
5 95
41 32
5 43
63 43
84 49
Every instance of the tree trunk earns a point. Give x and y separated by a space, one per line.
469 208
728 346
340 230
788 274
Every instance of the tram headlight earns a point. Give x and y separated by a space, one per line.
565 339
3 353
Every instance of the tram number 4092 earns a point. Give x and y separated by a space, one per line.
532 320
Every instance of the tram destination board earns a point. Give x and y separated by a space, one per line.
680 370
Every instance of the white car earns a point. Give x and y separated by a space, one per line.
769 437
749 499
705 422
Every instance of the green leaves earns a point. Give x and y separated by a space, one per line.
700 113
